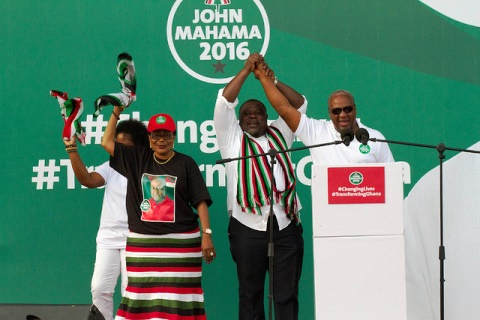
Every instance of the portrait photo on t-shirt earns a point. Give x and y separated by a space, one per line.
158 203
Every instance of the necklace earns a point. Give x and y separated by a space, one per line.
159 162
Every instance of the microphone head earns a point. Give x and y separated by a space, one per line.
362 135
272 153
346 135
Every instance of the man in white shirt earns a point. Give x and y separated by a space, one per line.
248 186
342 111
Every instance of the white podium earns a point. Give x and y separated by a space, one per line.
358 241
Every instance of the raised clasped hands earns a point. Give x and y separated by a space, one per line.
254 59
262 71
256 64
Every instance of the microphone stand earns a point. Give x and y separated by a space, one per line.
441 250
270 251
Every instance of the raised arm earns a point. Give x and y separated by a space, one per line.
295 99
232 89
87 179
108 139
277 95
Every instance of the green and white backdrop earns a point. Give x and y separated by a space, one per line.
413 66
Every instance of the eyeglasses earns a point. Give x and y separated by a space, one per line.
337 111
167 136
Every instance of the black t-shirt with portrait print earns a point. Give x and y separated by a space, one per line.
184 181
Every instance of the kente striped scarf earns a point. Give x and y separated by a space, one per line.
128 82
254 176
71 110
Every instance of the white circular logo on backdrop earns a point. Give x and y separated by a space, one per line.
465 11
211 39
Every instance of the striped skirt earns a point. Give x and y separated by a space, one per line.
164 277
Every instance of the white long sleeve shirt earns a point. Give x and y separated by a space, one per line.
312 131
229 137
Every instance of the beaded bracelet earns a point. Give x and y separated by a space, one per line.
71 148
116 116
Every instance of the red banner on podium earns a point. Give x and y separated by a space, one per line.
354 185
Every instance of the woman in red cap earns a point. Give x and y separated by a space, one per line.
166 196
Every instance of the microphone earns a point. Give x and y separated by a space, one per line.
362 135
347 136
272 153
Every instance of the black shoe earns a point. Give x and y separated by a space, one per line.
95 314
32 317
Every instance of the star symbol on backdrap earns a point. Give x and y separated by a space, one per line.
219 67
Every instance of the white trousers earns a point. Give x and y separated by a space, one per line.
109 264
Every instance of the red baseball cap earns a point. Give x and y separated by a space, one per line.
161 121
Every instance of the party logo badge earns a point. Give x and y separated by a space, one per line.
211 39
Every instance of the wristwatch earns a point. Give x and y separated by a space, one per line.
207 231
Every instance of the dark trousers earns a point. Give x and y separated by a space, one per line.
249 251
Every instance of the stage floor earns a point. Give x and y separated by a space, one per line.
44 311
